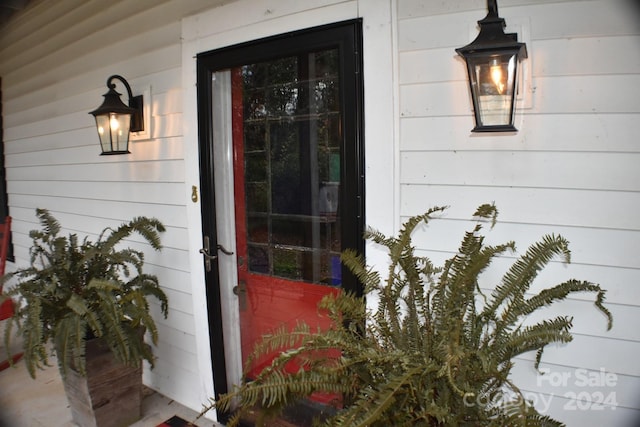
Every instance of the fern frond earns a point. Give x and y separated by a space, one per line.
518 279
149 228
537 337
487 211
49 223
32 333
371 404
369 278
70 344
557 293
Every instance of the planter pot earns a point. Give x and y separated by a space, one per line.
111 393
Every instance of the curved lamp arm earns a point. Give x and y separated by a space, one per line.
111 85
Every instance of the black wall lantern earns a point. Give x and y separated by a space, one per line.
492 63
115 120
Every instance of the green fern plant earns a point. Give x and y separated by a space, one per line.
75 290
435 347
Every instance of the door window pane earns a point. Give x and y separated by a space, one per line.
292 140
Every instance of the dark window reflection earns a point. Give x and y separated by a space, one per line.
292 139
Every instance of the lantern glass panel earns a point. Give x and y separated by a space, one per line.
493 82
113 130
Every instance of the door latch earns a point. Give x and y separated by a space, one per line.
207 256
241 291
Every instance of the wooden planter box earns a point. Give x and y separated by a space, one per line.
111 393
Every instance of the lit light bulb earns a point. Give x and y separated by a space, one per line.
496 75
114 123
100 130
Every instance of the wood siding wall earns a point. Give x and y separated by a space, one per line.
55 59
572 169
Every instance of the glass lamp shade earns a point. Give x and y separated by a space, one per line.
493 84
113 130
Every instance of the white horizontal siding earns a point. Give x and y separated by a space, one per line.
56 58
78 93
141 192
418 8
571 169
231 22
614 209
540 132
575 170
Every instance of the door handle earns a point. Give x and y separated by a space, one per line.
224 251
208 257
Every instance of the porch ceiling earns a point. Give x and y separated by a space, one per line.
9 7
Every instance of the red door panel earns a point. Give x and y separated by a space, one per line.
286 138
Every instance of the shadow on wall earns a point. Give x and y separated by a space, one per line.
632 9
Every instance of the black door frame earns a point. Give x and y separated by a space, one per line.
347 37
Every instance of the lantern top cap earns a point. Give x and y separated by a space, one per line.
492 36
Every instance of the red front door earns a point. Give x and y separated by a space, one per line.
287 157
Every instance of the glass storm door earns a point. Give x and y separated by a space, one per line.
297 177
